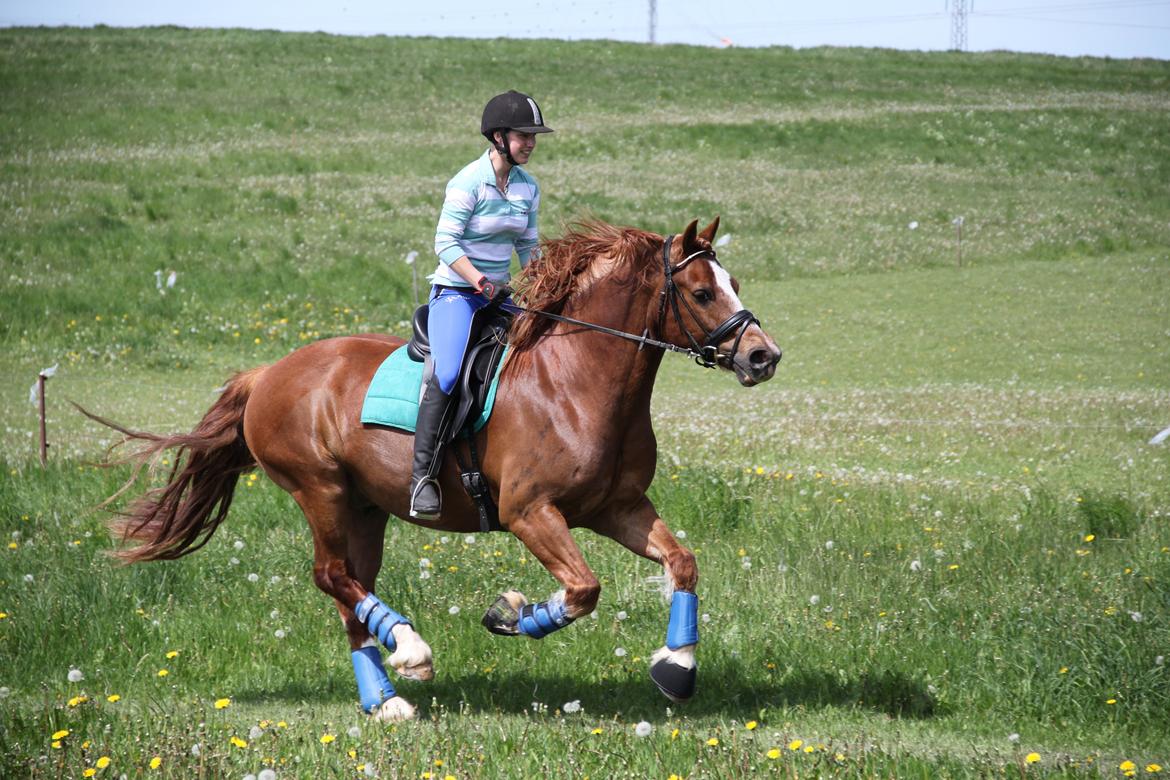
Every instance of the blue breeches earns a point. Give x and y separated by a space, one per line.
449 329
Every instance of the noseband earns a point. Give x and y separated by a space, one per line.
706 354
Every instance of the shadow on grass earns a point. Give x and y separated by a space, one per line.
722 690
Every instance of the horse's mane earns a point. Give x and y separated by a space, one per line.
561 272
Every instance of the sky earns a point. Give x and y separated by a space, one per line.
1113 28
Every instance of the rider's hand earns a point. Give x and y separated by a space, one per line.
494 291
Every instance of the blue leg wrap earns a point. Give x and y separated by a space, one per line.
540 620
683 629
379 619
373 685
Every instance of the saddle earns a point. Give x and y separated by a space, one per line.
489 340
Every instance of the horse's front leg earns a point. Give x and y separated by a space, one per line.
543 530
673 666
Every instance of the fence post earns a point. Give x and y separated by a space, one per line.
41 379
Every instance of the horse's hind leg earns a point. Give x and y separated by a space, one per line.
672 667
347 553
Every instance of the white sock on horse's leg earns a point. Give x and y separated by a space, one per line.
412 657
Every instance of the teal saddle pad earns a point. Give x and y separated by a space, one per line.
392 398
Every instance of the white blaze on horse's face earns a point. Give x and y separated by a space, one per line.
723 281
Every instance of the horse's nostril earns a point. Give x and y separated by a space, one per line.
760 358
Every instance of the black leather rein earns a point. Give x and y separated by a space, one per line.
706 354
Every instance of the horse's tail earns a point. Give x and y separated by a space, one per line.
180 517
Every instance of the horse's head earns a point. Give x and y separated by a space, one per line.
700 309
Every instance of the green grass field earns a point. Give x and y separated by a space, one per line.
937 544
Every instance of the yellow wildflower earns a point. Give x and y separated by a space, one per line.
327 738
163 672
238 742
1127 766
1032 758
155 762
712 742
597 730
113 697
1153 769
61 734
222 703
750 725
173 654
795 744
55 744
89 772
103 762
774 753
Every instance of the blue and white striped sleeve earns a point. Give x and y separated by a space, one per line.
528 242
458 206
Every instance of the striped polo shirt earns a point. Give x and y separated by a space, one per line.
481 222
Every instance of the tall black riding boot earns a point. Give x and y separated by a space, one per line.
426 500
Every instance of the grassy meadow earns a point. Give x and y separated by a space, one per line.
937 544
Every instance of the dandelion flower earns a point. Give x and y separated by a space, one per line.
713 742
238 742
256 732
750 725
621 615
267 774
172 654
1032 758
643 729
795 744
327 738
354 732
222 703
454 610
915 565
620 652
570 707
1127 766
1153 769
155 762
113 698
90 772
75 675
163 672
774 753
598 730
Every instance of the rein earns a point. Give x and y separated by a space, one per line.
706 354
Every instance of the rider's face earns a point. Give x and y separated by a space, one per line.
520 145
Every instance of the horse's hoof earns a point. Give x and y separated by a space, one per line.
503 617
394 710
412 657
674 672
422 672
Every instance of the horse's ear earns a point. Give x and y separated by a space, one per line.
688 236
708 233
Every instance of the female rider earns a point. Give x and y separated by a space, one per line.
490 210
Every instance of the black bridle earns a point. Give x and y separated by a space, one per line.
707 353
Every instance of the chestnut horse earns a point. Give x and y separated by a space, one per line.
569 444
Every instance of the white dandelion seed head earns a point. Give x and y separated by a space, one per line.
782 568
915 565
940 554
746 563
249 777
424 563
369 772
643 729
354 732
681 534
279 633
913 225
1136 617
274 579
4 692
570 707
253 577
444 539
470 539
621 615
1159 660
424 575
75 675
274 614
814 599
266 774
705 618
196 750
620 652
16 536
829 545
255 733
1013 737
29 578
238 544
234 561
454 610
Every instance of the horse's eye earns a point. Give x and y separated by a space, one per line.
703 295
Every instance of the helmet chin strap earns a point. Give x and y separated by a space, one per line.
502 148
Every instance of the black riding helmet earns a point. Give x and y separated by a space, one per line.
511 111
